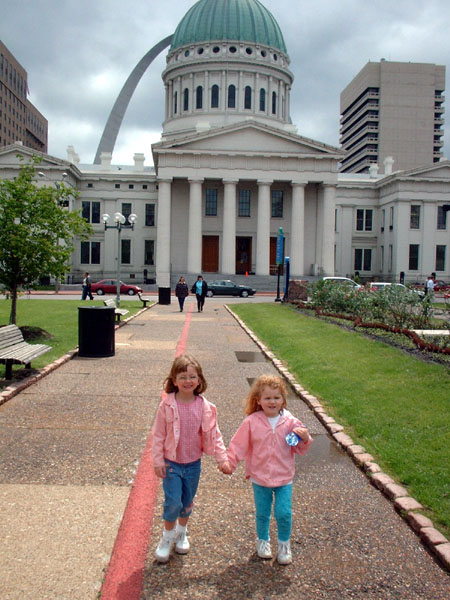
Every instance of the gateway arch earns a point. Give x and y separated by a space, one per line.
109 136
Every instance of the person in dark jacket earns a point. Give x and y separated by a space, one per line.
181 292
200 288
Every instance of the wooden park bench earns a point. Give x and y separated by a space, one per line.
119 312
15 350
144 299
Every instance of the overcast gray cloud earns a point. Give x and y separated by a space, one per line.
78 54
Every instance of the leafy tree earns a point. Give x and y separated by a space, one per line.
36 231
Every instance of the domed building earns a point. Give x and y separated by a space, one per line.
231 170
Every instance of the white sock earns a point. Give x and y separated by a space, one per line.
181 528
169 533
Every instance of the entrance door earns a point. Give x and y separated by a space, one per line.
273 257
210 254
243 255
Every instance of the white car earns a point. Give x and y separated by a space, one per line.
344 281
375 286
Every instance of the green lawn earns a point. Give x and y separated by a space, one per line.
59 318
393 404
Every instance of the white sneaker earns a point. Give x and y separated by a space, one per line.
182 544
164 547
284 556
263 549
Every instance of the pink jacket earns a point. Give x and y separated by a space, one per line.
269 460
166 432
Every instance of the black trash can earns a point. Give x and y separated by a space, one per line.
96 331
164 295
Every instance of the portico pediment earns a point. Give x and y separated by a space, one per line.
440 170
250 138
9 156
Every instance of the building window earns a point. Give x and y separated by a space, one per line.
125 252
440 257
390 258
274 103
199 97
186 100
441 218
262 100
277 204
413 257
175 103
391 218
117 186
244 203
248 97
363 259
215 96
382 259
364 218
149 252
90 211
150 215
336 219
383 220
90 253
231 96
211 202
414 219
126 210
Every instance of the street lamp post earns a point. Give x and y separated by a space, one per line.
120 222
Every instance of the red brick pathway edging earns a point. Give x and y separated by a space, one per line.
15 387
407 506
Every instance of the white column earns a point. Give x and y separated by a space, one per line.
328 236
263 229
229 228
297 246
163 233
194 254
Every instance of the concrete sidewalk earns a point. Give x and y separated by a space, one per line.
70 446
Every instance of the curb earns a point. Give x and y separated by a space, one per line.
14 388
405 504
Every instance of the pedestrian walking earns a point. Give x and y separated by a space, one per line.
200 288
268 440
429 287
86 287
181 292
185 427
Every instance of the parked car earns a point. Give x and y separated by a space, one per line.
441 286
344 281
109 286
375 286
225 287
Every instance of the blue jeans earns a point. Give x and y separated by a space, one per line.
180 486
282 510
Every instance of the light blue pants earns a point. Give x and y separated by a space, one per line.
282 510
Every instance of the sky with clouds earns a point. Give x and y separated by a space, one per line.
78 54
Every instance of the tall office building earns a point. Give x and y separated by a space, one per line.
19 119
393 109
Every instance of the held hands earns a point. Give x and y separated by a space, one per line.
303 433
225 467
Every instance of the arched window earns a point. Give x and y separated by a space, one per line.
248 97
199 97
231 96
274 103
175 103
186 99
215 96
262 100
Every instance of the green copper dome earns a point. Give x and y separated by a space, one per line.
233 20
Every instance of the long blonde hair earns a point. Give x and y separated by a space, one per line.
180 365
272 381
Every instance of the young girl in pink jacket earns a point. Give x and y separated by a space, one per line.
264 440
185 427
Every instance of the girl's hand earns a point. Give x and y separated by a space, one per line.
303 433
225 468
160 472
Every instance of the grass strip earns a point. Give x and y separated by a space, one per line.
57 317
394 405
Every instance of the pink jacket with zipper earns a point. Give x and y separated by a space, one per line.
166 432
269 460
